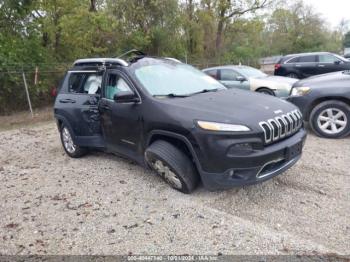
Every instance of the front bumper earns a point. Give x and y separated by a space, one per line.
304 103
259 166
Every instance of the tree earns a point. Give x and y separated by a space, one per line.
229 10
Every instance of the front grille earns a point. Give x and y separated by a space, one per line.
281 126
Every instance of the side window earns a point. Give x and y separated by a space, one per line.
327 59
213 73
92 84
114 85
307 59
85 83
228 75
293 60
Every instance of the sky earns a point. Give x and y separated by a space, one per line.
331 10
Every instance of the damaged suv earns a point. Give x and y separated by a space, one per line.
178 121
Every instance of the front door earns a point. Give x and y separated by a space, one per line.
329 63
121 122
232 79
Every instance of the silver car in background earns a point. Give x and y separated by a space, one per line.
249 78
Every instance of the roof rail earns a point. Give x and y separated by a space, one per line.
173 59
100 61
132 51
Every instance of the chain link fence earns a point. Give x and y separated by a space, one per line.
25 85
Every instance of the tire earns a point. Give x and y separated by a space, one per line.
68 144
266 91
293 75
331 119
172 165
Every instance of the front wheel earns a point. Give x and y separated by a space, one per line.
331 119
68 144
173 165
293 75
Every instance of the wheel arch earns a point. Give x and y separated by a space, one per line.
177 140
324 99
265 87
61 120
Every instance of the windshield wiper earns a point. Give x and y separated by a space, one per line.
204 91
171 95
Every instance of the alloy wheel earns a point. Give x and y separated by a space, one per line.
68 141
332 121
167 174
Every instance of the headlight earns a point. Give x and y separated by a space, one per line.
213 126
300 91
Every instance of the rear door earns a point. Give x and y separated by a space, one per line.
230 79
121 122
307 65
78 102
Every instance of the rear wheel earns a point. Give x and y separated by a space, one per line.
331 119
68 144
292 75
266 91
173 165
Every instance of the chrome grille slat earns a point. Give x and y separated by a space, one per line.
281 126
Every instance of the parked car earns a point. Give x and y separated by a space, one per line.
310 64
325 103
249 78
178 121
347 56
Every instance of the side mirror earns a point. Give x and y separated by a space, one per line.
241 78
337 62
126 97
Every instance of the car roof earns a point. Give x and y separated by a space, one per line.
306 54
227 67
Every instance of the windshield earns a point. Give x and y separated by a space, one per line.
341 58
175 79
251 72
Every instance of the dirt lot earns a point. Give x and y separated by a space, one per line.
103 204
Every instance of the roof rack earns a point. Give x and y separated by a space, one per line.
100 62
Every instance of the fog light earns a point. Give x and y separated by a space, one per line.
240 149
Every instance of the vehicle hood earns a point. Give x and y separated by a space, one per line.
226 106
336 79
272 82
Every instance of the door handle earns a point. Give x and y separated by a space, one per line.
321 65
67 101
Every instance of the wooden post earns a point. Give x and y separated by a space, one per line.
27 93
36 75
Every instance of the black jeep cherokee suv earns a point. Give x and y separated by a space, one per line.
178 121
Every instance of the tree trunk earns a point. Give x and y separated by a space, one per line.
219 33
93 7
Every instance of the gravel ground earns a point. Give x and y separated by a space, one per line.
103 204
